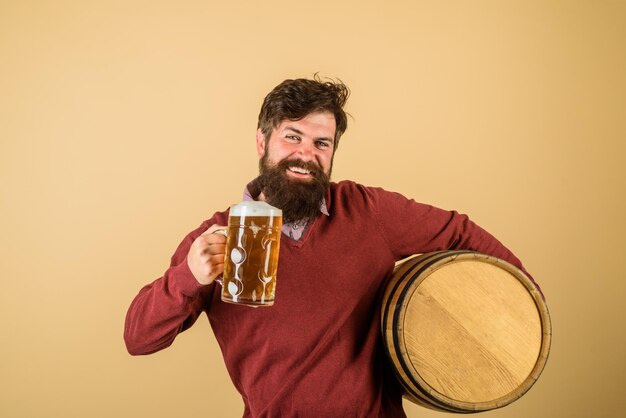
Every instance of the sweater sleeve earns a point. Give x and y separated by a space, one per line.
168 306
412 228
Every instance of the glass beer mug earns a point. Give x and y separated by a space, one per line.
251 261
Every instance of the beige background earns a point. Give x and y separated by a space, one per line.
119 120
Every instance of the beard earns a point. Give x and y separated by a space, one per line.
299 200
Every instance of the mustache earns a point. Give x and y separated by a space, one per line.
296 162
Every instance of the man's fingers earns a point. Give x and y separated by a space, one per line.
216 234
206 255
217 259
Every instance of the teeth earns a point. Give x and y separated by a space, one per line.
299 170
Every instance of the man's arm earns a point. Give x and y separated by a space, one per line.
172 303
412 228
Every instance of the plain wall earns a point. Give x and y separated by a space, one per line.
124 124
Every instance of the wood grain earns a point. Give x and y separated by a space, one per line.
465 332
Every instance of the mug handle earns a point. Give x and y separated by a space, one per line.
224 232
221 231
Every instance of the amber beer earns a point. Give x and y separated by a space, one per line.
251 261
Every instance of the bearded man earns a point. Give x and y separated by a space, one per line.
317 352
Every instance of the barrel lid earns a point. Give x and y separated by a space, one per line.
465 332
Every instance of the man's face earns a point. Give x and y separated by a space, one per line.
310 139
296 164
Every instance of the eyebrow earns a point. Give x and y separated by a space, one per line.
299 132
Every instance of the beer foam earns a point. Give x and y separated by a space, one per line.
254 208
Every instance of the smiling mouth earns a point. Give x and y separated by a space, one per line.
299 170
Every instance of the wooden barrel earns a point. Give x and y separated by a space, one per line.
465 332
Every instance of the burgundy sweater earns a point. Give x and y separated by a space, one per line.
317 352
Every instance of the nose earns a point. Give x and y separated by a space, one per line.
306 151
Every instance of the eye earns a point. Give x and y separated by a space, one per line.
293 138
322 144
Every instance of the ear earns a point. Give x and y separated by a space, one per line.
260 143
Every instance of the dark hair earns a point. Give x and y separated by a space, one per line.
295 99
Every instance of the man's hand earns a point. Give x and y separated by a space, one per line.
206 255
